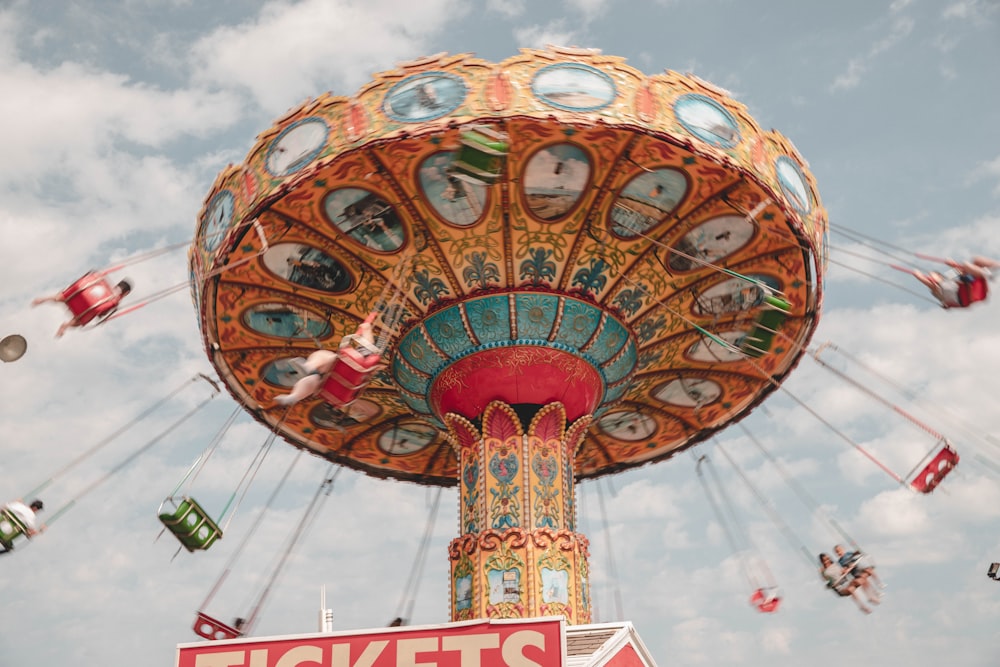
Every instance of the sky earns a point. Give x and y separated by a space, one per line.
118 115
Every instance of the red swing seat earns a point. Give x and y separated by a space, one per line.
766 600
214 630
351 372
971 289
89 298
936 470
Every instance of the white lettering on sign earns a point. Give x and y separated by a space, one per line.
342 655
513 648
509 646
407 650
227 659
298 656
471 647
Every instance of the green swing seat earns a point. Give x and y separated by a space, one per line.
773 314
190 524
481 157
11 527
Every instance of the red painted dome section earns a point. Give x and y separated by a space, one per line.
527 374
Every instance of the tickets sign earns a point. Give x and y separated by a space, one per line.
520 643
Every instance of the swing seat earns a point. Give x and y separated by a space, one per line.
481 157
936 470
350 374
214 630
971 289
760 338
190 524
766 600
89 298
11 527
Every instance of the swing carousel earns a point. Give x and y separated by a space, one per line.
568 269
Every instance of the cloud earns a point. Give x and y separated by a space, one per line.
540 36
777 640
948 72
290 51
946 43
988 171
508 8
978 12
896 513
110 113
900 27
852 77
589 8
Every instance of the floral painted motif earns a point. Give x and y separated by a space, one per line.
428 289
546 500
592 278
629 301
470 503
505 508
480 271
650 327
539 267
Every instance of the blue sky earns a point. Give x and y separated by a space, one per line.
117 118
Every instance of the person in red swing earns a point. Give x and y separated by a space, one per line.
323 363
766 600
969 285
90 299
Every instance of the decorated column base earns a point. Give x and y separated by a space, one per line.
519 555
520 574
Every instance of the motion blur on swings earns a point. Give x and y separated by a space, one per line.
90 299
967 283
18 519
338 376
848 582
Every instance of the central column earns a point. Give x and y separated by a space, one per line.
518 555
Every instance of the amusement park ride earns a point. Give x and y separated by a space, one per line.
577 268
508 277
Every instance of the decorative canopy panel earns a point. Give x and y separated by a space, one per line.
613 263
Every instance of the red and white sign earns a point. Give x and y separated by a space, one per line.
517 643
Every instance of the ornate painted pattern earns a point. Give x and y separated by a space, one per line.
520 573
531 557
596 257
551 321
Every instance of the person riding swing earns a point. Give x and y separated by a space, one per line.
90 299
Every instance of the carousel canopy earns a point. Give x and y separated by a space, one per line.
555 227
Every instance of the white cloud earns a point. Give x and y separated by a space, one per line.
900 27
777 640
589 8
979 12
945 43
540 36
508 8
107 109
988 171
897 513
292 51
